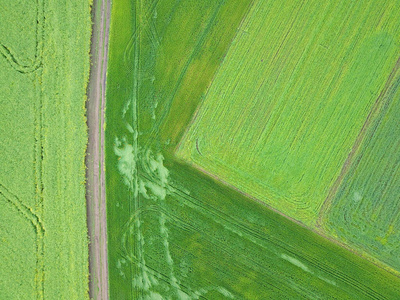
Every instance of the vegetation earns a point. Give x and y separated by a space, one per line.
156 33
365 210
176 231
45 65
305 81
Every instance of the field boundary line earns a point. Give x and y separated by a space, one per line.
374 113
13 59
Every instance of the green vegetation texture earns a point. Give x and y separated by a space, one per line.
174 232
44 62
300 82
366 210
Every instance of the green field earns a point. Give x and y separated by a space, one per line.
133 71
174 232
365 211
305 79
44 64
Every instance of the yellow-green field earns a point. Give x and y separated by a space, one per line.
44 63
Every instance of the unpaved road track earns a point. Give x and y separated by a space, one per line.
95 184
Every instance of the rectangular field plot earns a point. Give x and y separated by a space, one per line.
291 97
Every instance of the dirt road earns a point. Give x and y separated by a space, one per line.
95 185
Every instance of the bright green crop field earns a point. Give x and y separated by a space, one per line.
216 108
44 68
305 81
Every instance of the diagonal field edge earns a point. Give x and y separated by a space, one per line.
184 130
375 112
